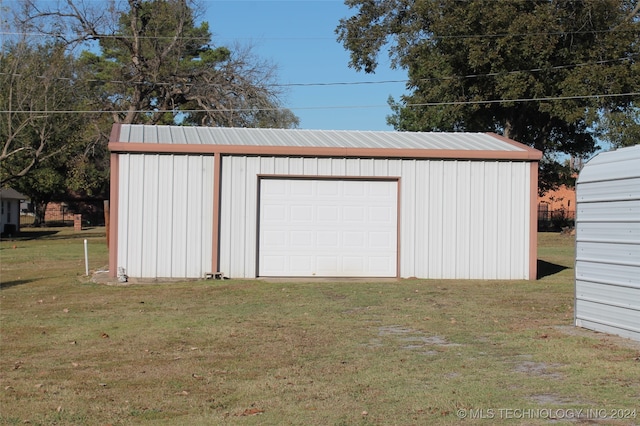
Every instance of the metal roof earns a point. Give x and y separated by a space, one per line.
134 133
255 141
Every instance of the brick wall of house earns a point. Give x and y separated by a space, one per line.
557 209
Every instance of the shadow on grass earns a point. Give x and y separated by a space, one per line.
52 234
13 283
545 269
31 235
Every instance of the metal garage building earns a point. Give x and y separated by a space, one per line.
189 201
608 243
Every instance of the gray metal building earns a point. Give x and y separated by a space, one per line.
608 243
188 201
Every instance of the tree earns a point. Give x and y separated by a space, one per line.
147 62
542 72
155 65
42 185
45 151
37 88
620 128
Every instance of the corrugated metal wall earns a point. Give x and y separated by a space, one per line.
608 244
165 215
458 219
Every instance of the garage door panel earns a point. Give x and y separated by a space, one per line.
380 214
328 213
354 214
275 188
378 265
325 265
300 265
275 213
275 239
381 240
353 264
301 213
356 189
329 189
301 239
272 264
328 228
355 240
302 188
328 239
381 192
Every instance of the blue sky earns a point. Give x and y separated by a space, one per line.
299 38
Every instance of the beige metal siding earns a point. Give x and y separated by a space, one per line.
165 215
458 219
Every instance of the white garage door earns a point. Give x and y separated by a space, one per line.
328 228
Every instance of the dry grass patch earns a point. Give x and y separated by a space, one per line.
256 352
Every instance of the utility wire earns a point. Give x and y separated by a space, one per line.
355 83
298 38
478 102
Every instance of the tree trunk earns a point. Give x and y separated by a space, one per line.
39 210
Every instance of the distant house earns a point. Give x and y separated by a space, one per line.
563 198
557 207
58 211
10 211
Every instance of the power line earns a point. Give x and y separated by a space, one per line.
356 83
468 76
445 103
298 38
520 100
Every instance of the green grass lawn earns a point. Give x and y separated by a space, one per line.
408 352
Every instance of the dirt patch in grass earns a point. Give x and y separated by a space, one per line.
540 369
554 400
409 339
